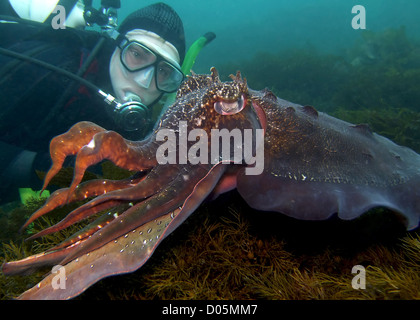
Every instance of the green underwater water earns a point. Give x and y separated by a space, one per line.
309 54
246 27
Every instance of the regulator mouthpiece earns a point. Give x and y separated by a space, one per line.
133 115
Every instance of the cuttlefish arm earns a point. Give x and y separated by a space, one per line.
127 253
123 254
150 185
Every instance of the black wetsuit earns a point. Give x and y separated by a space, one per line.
37 104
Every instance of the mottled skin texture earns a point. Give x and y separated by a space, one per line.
314 166
317 165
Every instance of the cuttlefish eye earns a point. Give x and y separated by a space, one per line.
229 108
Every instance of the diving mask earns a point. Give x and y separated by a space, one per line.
136 57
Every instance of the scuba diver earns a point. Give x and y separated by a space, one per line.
51 79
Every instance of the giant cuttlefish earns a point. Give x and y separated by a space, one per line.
215 137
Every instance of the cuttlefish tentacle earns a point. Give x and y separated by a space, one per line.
69 143
59 252
168 199
66 222
85 190
157 179
126 253
34 262
201 191
94 226
112 146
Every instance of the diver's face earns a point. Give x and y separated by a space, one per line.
125 83
134 72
